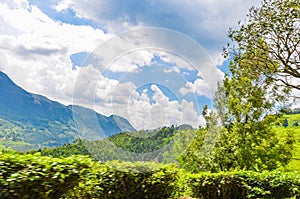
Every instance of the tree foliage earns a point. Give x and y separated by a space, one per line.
274 28
285 123
37 176
246 139
162 145
244 103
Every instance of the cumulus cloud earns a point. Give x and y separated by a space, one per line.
160 110
152 46
203 86
36 49
207 20
109 96
131 61
106 96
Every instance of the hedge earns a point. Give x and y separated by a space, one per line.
244 184
129 180
36 176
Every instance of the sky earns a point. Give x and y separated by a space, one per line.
154 62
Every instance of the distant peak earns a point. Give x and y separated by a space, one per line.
4 78
2 74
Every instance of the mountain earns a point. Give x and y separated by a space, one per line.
35 121
184 127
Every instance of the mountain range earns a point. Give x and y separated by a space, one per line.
29 120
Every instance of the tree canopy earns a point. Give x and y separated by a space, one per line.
274 27
264 69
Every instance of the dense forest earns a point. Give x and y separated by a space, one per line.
161 145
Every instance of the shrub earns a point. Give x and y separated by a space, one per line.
36 176
244 184
129 180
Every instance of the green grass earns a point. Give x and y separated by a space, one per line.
16 145
294 165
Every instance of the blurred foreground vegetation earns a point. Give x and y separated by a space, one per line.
36 176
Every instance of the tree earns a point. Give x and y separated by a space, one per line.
285 123
264 69
296 124
246 139
275 29
242 101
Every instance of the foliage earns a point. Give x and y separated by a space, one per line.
246 138
272 28
143 142
66 150
161 145
199 157
294 164
285 123
36 176
264 69
244 184
128 180
248 141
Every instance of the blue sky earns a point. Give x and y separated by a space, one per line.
98 54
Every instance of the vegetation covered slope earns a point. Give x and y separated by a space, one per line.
141 145
292 126
132 146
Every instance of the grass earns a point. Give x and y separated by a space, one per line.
294 165
16 145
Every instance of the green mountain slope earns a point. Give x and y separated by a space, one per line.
292 120
135 146
132 146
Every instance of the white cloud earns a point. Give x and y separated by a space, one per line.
37 49
112 97
162 111
205 86
178 61
131 61
105 95
129 51
207 20
35 52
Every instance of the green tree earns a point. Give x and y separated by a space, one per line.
246 139
243 101
285 123
200 155
264 69
274 28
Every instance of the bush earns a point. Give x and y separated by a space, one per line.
129 180
36 176
244 184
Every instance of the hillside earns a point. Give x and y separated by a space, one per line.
292 119
121 146
152 145
30 121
